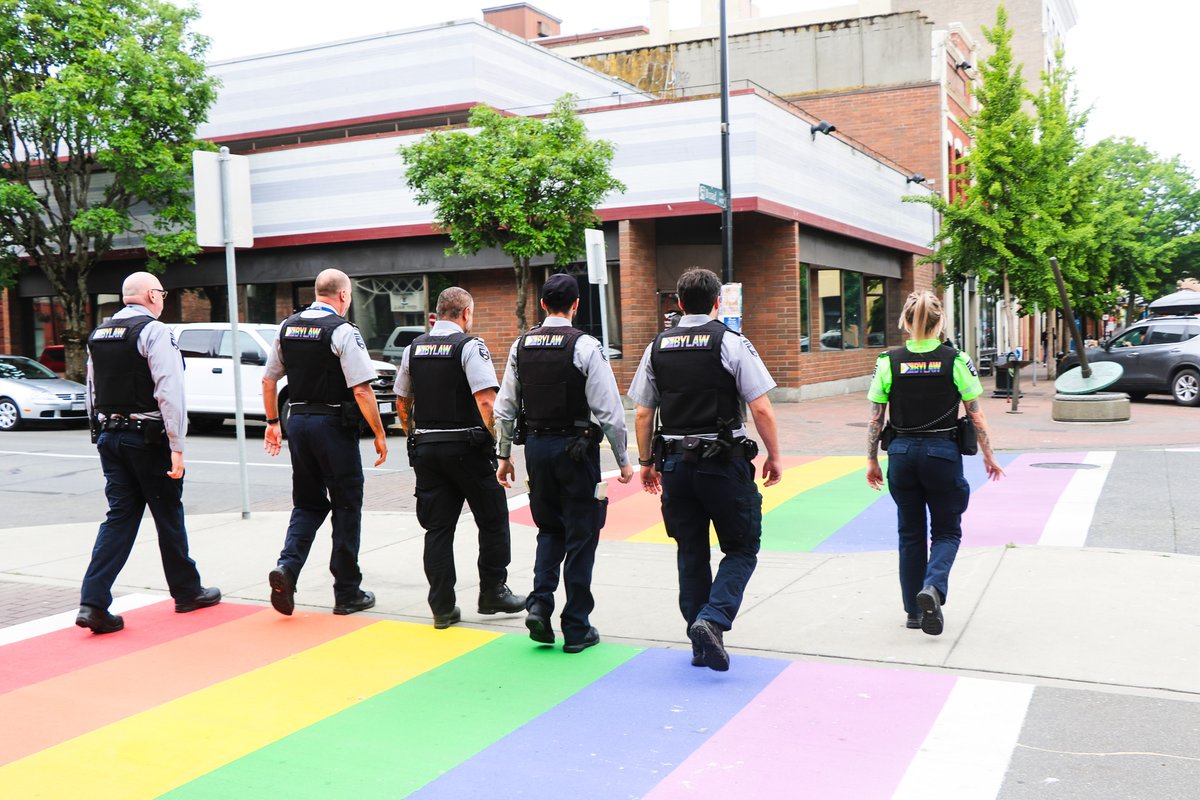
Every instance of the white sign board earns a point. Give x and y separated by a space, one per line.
210 212
597 259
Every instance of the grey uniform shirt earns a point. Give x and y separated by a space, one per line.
476 363
600 388
738 357
156 343
346 343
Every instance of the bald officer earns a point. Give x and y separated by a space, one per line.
697 375
329 382
558 377
447 385
136 404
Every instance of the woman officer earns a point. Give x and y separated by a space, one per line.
923 383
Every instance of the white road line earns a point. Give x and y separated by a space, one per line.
58 622
188 461
1072 515
970 744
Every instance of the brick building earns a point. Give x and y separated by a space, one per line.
823 244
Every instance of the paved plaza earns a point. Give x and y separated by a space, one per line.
1070 665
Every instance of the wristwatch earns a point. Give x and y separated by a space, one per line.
273 421
646 462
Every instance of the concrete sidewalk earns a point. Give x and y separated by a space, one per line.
1090 616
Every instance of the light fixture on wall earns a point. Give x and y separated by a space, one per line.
915 178
821 127
963 65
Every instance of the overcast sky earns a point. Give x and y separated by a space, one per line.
1134 62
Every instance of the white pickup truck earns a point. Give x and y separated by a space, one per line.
208 377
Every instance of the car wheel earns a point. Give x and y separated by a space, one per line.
10 415
1185 387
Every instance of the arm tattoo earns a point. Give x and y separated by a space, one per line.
875 428
981 431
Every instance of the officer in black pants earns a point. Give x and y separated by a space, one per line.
697 375
139 420
329 382
558 377
447 385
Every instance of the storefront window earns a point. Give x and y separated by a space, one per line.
588 317
805 332
829 293
380 305
876 312
852 306
260 303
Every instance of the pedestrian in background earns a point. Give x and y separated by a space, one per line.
138 413
447 385
922 384
556 378
329 382
697 375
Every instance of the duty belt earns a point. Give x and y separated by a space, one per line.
674 447
926 435
314 408
474 436
127 424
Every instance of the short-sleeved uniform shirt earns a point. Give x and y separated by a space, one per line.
346 343
966 377
476 363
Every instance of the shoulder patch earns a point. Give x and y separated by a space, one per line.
174 343
359 340
966 359
750 347
483 351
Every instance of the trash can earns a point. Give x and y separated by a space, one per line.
1003 375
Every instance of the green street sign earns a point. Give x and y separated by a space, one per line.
711 194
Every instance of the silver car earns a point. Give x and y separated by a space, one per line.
31 393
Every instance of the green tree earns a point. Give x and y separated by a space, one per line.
526 185
987 234
99 103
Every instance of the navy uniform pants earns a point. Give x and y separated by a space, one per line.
569 518
449 473
721 492
326 476
925 474
135 477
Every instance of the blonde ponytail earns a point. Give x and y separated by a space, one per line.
922 316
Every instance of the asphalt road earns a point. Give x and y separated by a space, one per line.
55 471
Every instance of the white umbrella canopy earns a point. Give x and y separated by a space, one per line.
1177 302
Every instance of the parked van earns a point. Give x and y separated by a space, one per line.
208 351
399 341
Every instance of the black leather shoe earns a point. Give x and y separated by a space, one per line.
207 597
99 621
365 600
539 627
590 638
697 657
500 600
931 611
443 621
913 621
283 591
710 640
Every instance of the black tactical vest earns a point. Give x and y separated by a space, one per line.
553 391
694 389
120 374
314 372
923 389
442 395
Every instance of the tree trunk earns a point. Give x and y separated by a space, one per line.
521 272
1010 318
75 333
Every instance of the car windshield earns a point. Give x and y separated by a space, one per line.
24 369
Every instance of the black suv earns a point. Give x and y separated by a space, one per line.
1160 355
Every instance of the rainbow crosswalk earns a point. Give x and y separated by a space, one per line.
239 702
823 504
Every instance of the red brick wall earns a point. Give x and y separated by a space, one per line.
8 323
766 256
639 297
902 123
495 322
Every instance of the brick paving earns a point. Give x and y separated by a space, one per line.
22 602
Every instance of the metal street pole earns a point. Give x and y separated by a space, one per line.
235 340
727 209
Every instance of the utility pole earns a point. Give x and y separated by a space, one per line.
727 209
